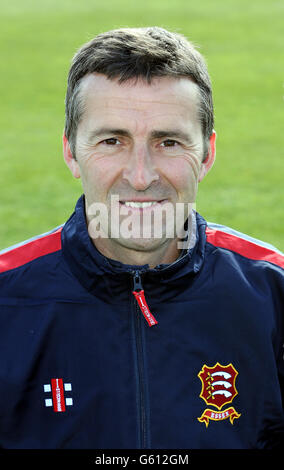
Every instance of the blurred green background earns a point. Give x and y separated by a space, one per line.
242 42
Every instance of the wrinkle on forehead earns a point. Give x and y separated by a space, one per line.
138 93
139 107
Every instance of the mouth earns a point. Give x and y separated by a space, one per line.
142 205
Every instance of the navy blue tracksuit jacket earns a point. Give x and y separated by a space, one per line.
95 354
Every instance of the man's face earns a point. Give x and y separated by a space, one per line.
142 143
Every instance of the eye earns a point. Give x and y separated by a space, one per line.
111 141
169 143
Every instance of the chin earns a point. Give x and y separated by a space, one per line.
143 244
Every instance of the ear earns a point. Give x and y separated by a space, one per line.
69 159
207 164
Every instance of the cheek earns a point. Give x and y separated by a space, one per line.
182 172
98 175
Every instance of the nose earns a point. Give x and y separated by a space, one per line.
140 171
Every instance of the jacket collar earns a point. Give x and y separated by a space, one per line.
88 264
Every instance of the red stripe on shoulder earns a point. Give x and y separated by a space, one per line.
31 250
244 247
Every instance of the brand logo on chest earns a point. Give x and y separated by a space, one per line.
57 388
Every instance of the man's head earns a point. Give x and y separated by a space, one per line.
139 126
133 53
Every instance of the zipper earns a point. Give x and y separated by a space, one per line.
141 380
139 295
138 292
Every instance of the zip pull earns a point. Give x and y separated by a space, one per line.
140 297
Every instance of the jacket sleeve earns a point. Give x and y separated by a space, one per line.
278 438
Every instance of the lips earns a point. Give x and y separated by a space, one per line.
141 204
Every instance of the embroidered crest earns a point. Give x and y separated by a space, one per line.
218 389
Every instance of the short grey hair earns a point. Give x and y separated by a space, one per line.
128 53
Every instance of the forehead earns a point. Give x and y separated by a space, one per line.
99 91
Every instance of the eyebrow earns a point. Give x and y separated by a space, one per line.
155 134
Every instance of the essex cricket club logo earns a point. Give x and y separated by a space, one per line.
218 389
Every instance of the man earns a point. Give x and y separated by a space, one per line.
112 336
